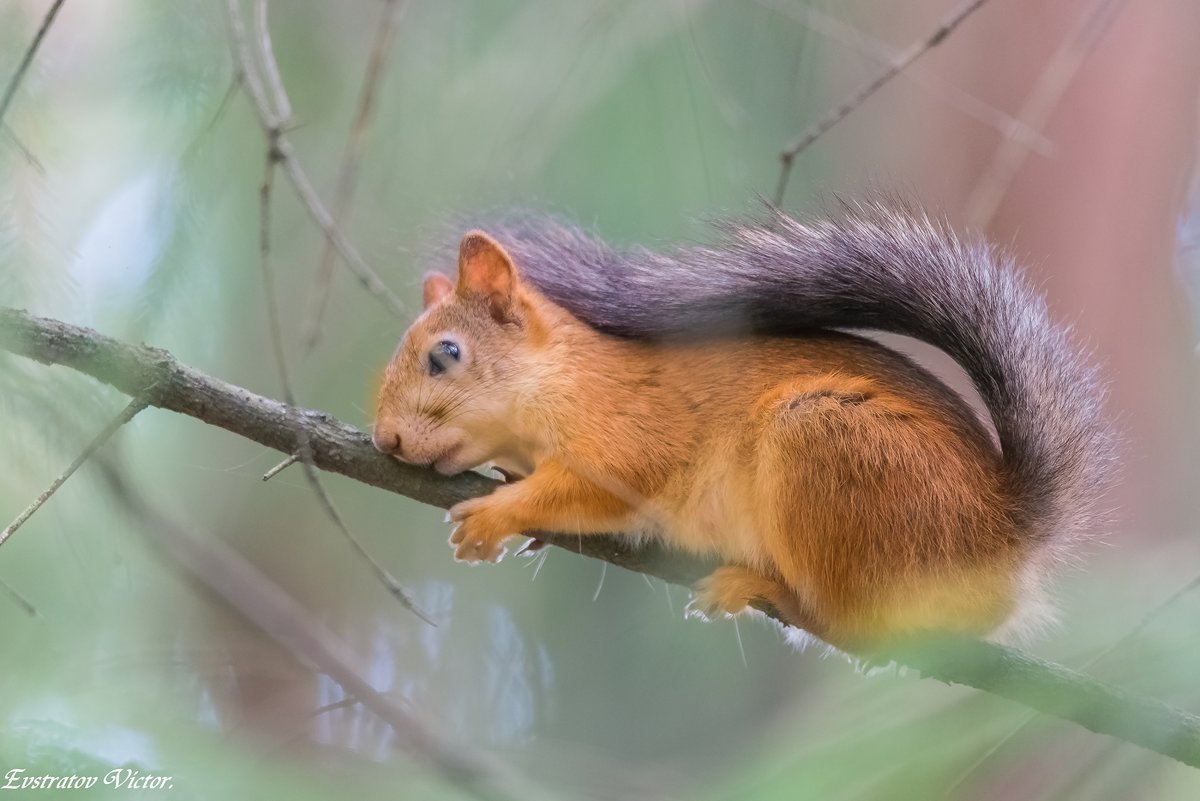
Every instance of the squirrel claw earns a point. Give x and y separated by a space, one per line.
703 607
699 609
475 549
532 545
693 611
478 551
461 511
716 596
480 533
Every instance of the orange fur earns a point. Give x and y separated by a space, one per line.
839 483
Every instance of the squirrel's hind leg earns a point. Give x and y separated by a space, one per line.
826 495
733 590
881 510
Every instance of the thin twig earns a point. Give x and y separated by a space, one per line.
847 35
839 112
244 67
1005 672
19 599
366 276
1035 112
347 177
304 446
272 123
333 706
1129 636
136 405
235 83
1145 621
10 91
33 160
283 106
279 468
268 274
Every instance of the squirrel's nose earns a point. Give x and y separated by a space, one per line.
385 439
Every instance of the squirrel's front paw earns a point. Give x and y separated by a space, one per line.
481 531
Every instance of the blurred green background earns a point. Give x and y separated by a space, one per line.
131 205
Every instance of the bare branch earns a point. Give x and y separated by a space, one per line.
833 28
347 178
235 82
304 450
265 604
14 83
1112 648
1035 112
272 123
842 110
369 279
1008 673
141 401
279 468
19 599
244 67
28 154
283 106
268 275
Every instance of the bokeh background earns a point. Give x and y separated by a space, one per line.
129 180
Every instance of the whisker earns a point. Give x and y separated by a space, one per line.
600 585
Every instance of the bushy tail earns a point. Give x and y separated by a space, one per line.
875 266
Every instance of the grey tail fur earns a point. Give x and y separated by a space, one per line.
874 266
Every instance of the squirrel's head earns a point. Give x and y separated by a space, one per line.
451 393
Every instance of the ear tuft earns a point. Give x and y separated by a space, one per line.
436 287
485 270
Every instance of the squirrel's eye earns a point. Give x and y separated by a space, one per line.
442 354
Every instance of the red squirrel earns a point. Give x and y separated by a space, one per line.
709 398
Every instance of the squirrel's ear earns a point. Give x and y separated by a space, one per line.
436 287
484 269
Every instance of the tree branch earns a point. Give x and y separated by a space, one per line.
305 451
347 176
10 91
155 375
271 117
19 599
1035 112
128 413
843 109
880 52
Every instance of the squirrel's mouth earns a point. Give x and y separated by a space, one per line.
448 463
442 451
